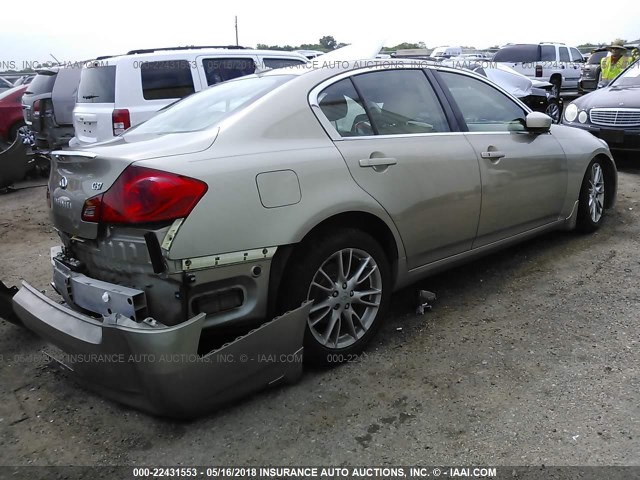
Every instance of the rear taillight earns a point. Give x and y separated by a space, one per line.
35 109
121 121
144 195
538 70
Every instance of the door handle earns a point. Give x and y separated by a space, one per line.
493 155
377 162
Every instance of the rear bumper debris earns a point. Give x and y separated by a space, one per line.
156 368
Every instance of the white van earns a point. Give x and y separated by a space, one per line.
446 52
116 93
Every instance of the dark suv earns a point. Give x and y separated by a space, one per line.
590 74
47 106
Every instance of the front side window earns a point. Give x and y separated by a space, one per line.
577 56
595 57
218 70
401 102
484 108
166 79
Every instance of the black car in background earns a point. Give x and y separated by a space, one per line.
590 74
611 113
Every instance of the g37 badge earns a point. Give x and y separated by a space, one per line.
96 186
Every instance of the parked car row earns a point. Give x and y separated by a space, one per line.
95 103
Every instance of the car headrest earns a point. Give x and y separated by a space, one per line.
334 106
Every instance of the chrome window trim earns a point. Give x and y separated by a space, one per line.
336 137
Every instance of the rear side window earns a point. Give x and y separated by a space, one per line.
596 57
280 62
518 53
564 54
401 102
42 83
548 53
166 79
219 70
97 85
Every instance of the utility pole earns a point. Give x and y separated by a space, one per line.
237 31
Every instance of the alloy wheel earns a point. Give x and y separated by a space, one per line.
347 291
596 192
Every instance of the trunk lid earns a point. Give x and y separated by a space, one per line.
92 122
82 174
75 177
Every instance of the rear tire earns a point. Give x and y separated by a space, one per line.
592 198
556 84
554 110
13 131
348 304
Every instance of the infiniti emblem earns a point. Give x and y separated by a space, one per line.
64 183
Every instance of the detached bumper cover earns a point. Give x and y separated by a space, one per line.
157 368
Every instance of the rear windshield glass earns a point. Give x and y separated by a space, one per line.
97 85
208 107
41 84
629 78
166 79
517 53
596 57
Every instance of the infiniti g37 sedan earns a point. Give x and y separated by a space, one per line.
333 186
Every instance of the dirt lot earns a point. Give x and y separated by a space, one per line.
530 356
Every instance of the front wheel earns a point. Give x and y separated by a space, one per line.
347 276
592 198
554 110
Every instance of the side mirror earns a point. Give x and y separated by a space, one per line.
538 122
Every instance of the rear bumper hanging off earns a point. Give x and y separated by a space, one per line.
157 368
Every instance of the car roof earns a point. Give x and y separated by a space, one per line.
151 54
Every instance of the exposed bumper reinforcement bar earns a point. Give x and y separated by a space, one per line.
157 368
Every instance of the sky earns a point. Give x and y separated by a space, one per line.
73 30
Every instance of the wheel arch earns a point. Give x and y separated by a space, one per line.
364 221
610 179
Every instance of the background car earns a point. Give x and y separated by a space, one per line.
590 72
11 113
116 93
611 113
555 63
47 106
5 85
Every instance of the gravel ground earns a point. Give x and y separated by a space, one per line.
529 357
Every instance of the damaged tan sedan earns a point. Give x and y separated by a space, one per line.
304 195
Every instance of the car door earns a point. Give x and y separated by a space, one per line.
570 69
397 142
524 174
